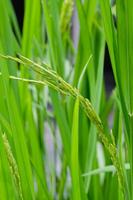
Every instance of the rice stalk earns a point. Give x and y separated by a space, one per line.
13 165
53 80
66 15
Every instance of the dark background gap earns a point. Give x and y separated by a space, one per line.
19 10
108 74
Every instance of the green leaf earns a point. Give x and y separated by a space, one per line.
76 193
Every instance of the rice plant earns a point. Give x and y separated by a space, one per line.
62 136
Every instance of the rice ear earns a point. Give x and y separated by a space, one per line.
13 165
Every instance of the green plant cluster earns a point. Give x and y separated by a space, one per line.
61 136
